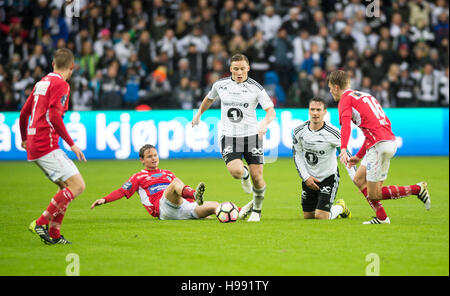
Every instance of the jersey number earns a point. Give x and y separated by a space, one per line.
372 102
40 89
235 115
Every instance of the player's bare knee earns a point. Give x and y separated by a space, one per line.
235 173
322 215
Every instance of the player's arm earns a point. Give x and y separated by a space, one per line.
23 119
351 167
55 114
127 189
270 116
206 103
345 118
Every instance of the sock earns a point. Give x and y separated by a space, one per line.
55 224
258 197
376 206
246 173
395 192
61 199
188 193
335 211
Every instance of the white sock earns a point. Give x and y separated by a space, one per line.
335 211
246 173
258 197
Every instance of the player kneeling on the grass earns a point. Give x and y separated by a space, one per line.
376 152
162 194
314 149
40 133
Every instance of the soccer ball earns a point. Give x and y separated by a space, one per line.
227 212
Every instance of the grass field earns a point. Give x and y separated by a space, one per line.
121 238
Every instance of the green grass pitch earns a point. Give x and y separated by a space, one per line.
121 238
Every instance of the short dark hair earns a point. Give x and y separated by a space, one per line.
339 78
63 58
239 57
144 148
320 100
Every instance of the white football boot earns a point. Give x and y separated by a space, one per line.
245 210
424 196
255 216
375 220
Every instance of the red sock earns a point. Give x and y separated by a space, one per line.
61 199
188 192
376 206
55 224
395 192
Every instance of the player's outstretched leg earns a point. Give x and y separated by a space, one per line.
41 231
245 210
424 196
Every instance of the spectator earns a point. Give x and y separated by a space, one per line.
404 90
300 92
38 58
258 53
159 96
56 26
110 89
88 61
301 44
428 88
182 95
444 89
420 11
102 43
282 53
197 38
268 23
124 48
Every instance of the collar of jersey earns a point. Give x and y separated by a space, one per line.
323 126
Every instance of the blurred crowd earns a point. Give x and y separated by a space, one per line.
164 54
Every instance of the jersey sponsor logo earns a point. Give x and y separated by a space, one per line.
157 187
127 185
257 151
156 175
325 190
227 150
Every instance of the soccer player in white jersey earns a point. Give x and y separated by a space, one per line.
242 135
314 149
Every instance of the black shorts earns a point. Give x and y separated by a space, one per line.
322 199
251 148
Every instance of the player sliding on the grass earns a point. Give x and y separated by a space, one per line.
377 150
40 133
162 194
314 149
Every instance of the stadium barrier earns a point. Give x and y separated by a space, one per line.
120 134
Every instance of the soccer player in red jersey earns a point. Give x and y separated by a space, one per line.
40 134
162 194
377 150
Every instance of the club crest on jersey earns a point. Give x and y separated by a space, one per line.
63 100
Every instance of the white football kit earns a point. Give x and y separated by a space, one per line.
315 151
238 105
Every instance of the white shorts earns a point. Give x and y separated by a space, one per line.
170 211
57 166
377 160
